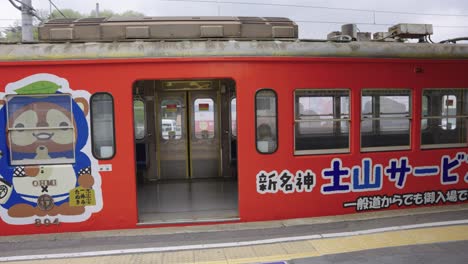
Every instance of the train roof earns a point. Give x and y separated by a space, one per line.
167 37
232 48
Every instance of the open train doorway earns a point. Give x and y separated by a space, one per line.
186 150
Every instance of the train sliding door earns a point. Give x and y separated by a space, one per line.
204 134
191 148
189 135
172 139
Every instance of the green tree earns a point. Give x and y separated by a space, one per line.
69 13
110 13
12 34
131 13
102 13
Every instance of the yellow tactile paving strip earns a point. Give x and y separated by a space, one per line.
284 251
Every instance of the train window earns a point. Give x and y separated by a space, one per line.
171 122
204 118
233 117
425 111
102 125
385 119
449 112
445 119
40 129
321 121
139 119
266 119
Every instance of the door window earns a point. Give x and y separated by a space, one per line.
204 118
171 119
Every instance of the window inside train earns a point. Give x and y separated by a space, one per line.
321 121
40 129
102 125
204 118
446 118
171 121
266 119
139 119
385 119
233 117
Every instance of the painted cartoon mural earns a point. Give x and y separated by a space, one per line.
47 172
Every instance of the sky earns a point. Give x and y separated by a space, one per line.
316 18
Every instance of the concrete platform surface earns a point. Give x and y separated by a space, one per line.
288 241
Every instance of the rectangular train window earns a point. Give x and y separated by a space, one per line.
233 117
445 117
204 118
266 119
139 118
102 125
425 111
172 113
385 119
40 129
321 121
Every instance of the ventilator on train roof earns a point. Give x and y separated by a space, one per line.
158 28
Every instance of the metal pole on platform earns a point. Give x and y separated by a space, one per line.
26 21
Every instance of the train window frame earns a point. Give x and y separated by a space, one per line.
93 144
276 140
424 126
144 119
171 134
50 161
462 102
205 133
363 117
233 129
332 92
445 99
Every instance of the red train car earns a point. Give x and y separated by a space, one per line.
142 132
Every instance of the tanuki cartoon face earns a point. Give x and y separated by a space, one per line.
46 152
41 126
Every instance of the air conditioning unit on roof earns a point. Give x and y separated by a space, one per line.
411 30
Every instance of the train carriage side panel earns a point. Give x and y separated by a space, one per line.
285 195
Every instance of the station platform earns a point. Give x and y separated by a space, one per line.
422 234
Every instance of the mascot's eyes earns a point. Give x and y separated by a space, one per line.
60 119
63 124
19 125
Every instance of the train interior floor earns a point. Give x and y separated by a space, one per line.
196 200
